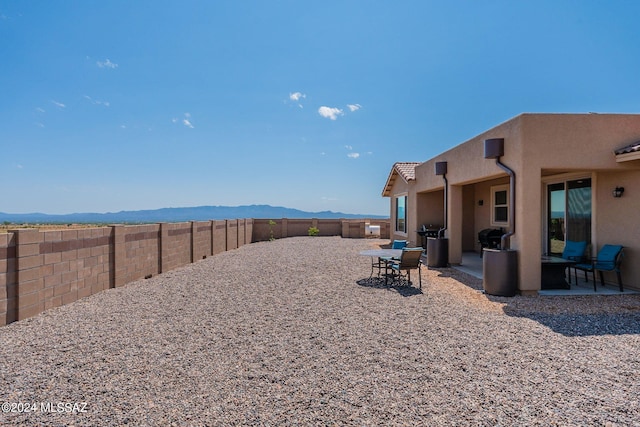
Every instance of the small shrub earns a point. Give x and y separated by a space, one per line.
313 231
271 224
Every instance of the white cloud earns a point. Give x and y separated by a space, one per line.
106 64
353 155
348 147
58 104
40 110
19 166
296 96
329 112
354 107
96 102
40 125
185 121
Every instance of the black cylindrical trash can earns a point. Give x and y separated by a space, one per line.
500 272
437 252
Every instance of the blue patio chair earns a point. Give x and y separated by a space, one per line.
574 251
609 258
411 259
399 244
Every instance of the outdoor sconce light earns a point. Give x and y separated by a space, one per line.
617 192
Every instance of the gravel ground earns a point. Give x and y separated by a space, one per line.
289 333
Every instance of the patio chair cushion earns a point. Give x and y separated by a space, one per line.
574 251
398 244
607 257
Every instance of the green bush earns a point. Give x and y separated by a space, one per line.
271 224
313 231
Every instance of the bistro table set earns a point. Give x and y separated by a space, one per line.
394 262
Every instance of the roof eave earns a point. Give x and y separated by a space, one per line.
625 157
386 191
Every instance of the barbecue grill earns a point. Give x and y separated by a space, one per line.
490 238
428 231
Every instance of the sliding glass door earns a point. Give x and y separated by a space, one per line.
568 213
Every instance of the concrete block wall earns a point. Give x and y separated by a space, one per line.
248 231
176 244
285 227
232 234
142 249
53 268
8 278
219 232
45 269
241 232
328 227
202 239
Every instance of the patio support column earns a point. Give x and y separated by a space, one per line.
454 221
528 237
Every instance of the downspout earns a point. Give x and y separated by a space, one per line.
512 199
494 149
441 169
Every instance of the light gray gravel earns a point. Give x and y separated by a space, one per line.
288 333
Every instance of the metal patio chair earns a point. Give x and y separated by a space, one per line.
409 260
382 261
609 258
574 251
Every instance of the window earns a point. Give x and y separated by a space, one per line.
401 214
500 205
568 213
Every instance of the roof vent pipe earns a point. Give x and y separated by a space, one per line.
441 169
494 149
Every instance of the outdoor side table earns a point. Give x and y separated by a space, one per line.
553 269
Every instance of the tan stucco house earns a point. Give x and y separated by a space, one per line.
566 167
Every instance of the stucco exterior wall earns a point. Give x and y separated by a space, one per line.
430 208
536 146
402 188
618 221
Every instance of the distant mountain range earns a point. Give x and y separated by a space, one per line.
199 213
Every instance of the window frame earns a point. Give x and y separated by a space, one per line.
397 217
497 189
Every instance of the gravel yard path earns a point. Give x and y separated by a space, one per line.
289 333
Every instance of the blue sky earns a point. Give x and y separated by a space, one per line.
127 105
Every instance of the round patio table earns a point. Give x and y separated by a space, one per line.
380 253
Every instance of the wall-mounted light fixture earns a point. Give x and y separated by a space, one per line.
617 192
